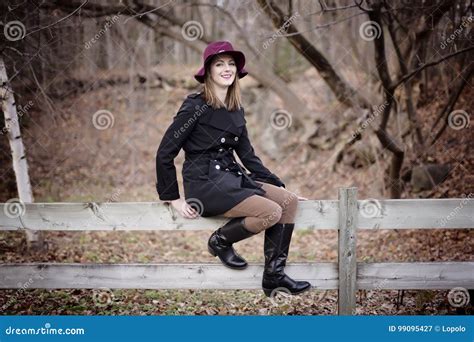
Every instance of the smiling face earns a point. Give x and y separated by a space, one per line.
223 70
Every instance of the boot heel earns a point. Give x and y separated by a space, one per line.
220 243
268 292
211 250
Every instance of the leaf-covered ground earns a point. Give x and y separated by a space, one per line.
154 247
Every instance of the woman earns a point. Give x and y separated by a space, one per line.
209 126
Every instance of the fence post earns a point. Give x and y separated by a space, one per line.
347 259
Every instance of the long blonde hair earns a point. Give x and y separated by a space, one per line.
233 100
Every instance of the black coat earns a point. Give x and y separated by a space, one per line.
213 180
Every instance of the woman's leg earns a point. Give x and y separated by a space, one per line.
287 200
277 244
250 217
260 213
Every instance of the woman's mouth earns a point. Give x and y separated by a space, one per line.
227 77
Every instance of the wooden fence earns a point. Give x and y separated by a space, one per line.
346 214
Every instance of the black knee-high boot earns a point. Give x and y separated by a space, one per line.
276 247
220 243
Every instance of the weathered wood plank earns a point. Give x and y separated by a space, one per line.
417 275
347 251
371 276
155 276
383 214
416 213
140 216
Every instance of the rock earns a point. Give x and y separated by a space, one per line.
426 177
360 156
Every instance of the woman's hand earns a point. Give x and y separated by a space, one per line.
184 209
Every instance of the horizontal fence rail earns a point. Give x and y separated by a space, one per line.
372 214
324 276
347 215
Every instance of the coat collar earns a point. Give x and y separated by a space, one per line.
226 120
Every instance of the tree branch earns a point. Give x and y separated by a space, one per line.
60 20
426 65
343 91
448 108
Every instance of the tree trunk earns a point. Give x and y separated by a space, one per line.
384 137
20 164
341 89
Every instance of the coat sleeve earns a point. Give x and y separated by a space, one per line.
172 142
253 163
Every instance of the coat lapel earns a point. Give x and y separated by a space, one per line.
227 121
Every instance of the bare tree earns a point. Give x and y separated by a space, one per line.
385 19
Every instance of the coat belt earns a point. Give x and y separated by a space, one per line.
221 154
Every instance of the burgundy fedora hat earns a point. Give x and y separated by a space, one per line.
216 48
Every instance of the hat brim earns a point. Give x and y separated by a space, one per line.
239 58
